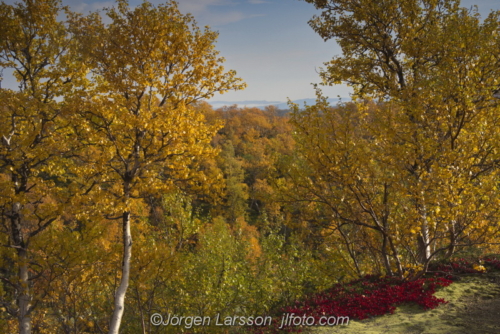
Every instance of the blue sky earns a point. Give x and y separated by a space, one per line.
268 43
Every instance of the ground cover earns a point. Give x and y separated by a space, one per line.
462 296
473 306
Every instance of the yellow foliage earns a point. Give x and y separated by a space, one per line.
411 166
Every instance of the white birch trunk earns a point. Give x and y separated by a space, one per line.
425 247
114 326
24 297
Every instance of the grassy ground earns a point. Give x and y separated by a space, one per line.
473 307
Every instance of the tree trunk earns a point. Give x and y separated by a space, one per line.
424 247
385 256
395 253
114 326
451 249
24 297
141 310
350 250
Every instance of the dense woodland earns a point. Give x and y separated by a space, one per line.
124 194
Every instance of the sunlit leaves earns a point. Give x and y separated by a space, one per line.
154 51
425 158
36 144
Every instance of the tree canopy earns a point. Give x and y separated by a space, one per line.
424 157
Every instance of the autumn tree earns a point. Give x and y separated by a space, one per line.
35 144
433 68
147 65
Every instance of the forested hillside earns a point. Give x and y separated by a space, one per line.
124 194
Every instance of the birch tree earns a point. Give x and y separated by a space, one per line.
434 67
147 65
35 142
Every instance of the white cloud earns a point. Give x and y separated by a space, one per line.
200 6
218 19
213 12
206 12
84 8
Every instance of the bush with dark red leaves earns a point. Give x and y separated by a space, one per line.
364 298
492 262
458 266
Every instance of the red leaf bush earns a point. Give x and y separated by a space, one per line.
364 298
458 266
492 262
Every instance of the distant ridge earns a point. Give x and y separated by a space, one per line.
279 105
332 101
